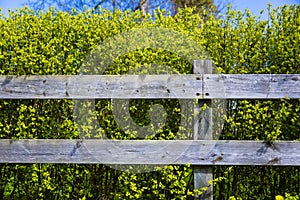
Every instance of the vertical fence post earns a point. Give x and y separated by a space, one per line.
203 131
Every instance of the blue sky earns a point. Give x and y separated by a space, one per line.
254 5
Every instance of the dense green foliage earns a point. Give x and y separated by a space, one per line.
58 43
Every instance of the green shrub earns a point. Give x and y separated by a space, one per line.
57 43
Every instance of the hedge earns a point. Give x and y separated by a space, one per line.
58 43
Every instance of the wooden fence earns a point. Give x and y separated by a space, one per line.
201 85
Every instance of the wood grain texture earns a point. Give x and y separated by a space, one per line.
251 86
195 152
192 86
203 131
101 87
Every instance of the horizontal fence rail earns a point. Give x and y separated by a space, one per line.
194 152
191 86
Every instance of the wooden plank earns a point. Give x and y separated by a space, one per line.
203 131
195 152
101 87
192 86
251 86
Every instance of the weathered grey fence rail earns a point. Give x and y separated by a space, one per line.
202 152
191 86
151 152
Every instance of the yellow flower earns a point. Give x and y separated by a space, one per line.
279 197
